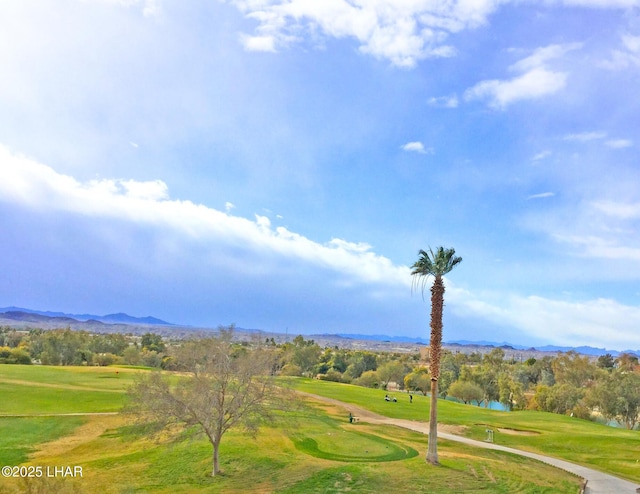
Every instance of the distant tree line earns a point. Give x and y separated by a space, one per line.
567 383
70 347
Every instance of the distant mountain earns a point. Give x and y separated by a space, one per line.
583 350
19 313
121 317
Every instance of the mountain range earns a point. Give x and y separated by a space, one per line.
20 313
36 316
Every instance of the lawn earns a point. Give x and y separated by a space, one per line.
317 450
20 435
609 449
39 389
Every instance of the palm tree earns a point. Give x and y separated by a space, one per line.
435 264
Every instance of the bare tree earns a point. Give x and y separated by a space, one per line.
219 386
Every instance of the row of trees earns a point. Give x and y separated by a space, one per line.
567 383
68 347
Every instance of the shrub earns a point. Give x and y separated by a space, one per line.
333 375
291 370
14 356
368 379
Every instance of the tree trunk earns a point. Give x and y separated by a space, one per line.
435 349
432 450
216 464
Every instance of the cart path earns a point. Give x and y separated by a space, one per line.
597 482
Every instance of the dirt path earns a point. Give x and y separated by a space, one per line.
91 430
597 482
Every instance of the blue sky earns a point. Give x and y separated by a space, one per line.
278 164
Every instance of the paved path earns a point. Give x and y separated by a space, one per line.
597 482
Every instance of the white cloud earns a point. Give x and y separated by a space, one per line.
536 79
631 43
619 143
228 206
598 322
417 147
541 195
585 136
402 32
39 187
541 56
154 190
598 135
532 85
258 43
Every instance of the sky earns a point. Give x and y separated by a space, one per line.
278 164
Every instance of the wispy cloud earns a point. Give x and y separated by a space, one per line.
541 155
596 136
619 210
532 85
585 136
444 101
535 81
604 229
619 143
627 56
541 195
600 322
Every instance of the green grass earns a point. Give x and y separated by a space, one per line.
324 437
35 389
605 448
123 458
20 436
87 378
318 452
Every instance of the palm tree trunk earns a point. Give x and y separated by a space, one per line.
437 303
432 449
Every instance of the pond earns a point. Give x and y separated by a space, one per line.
493 405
